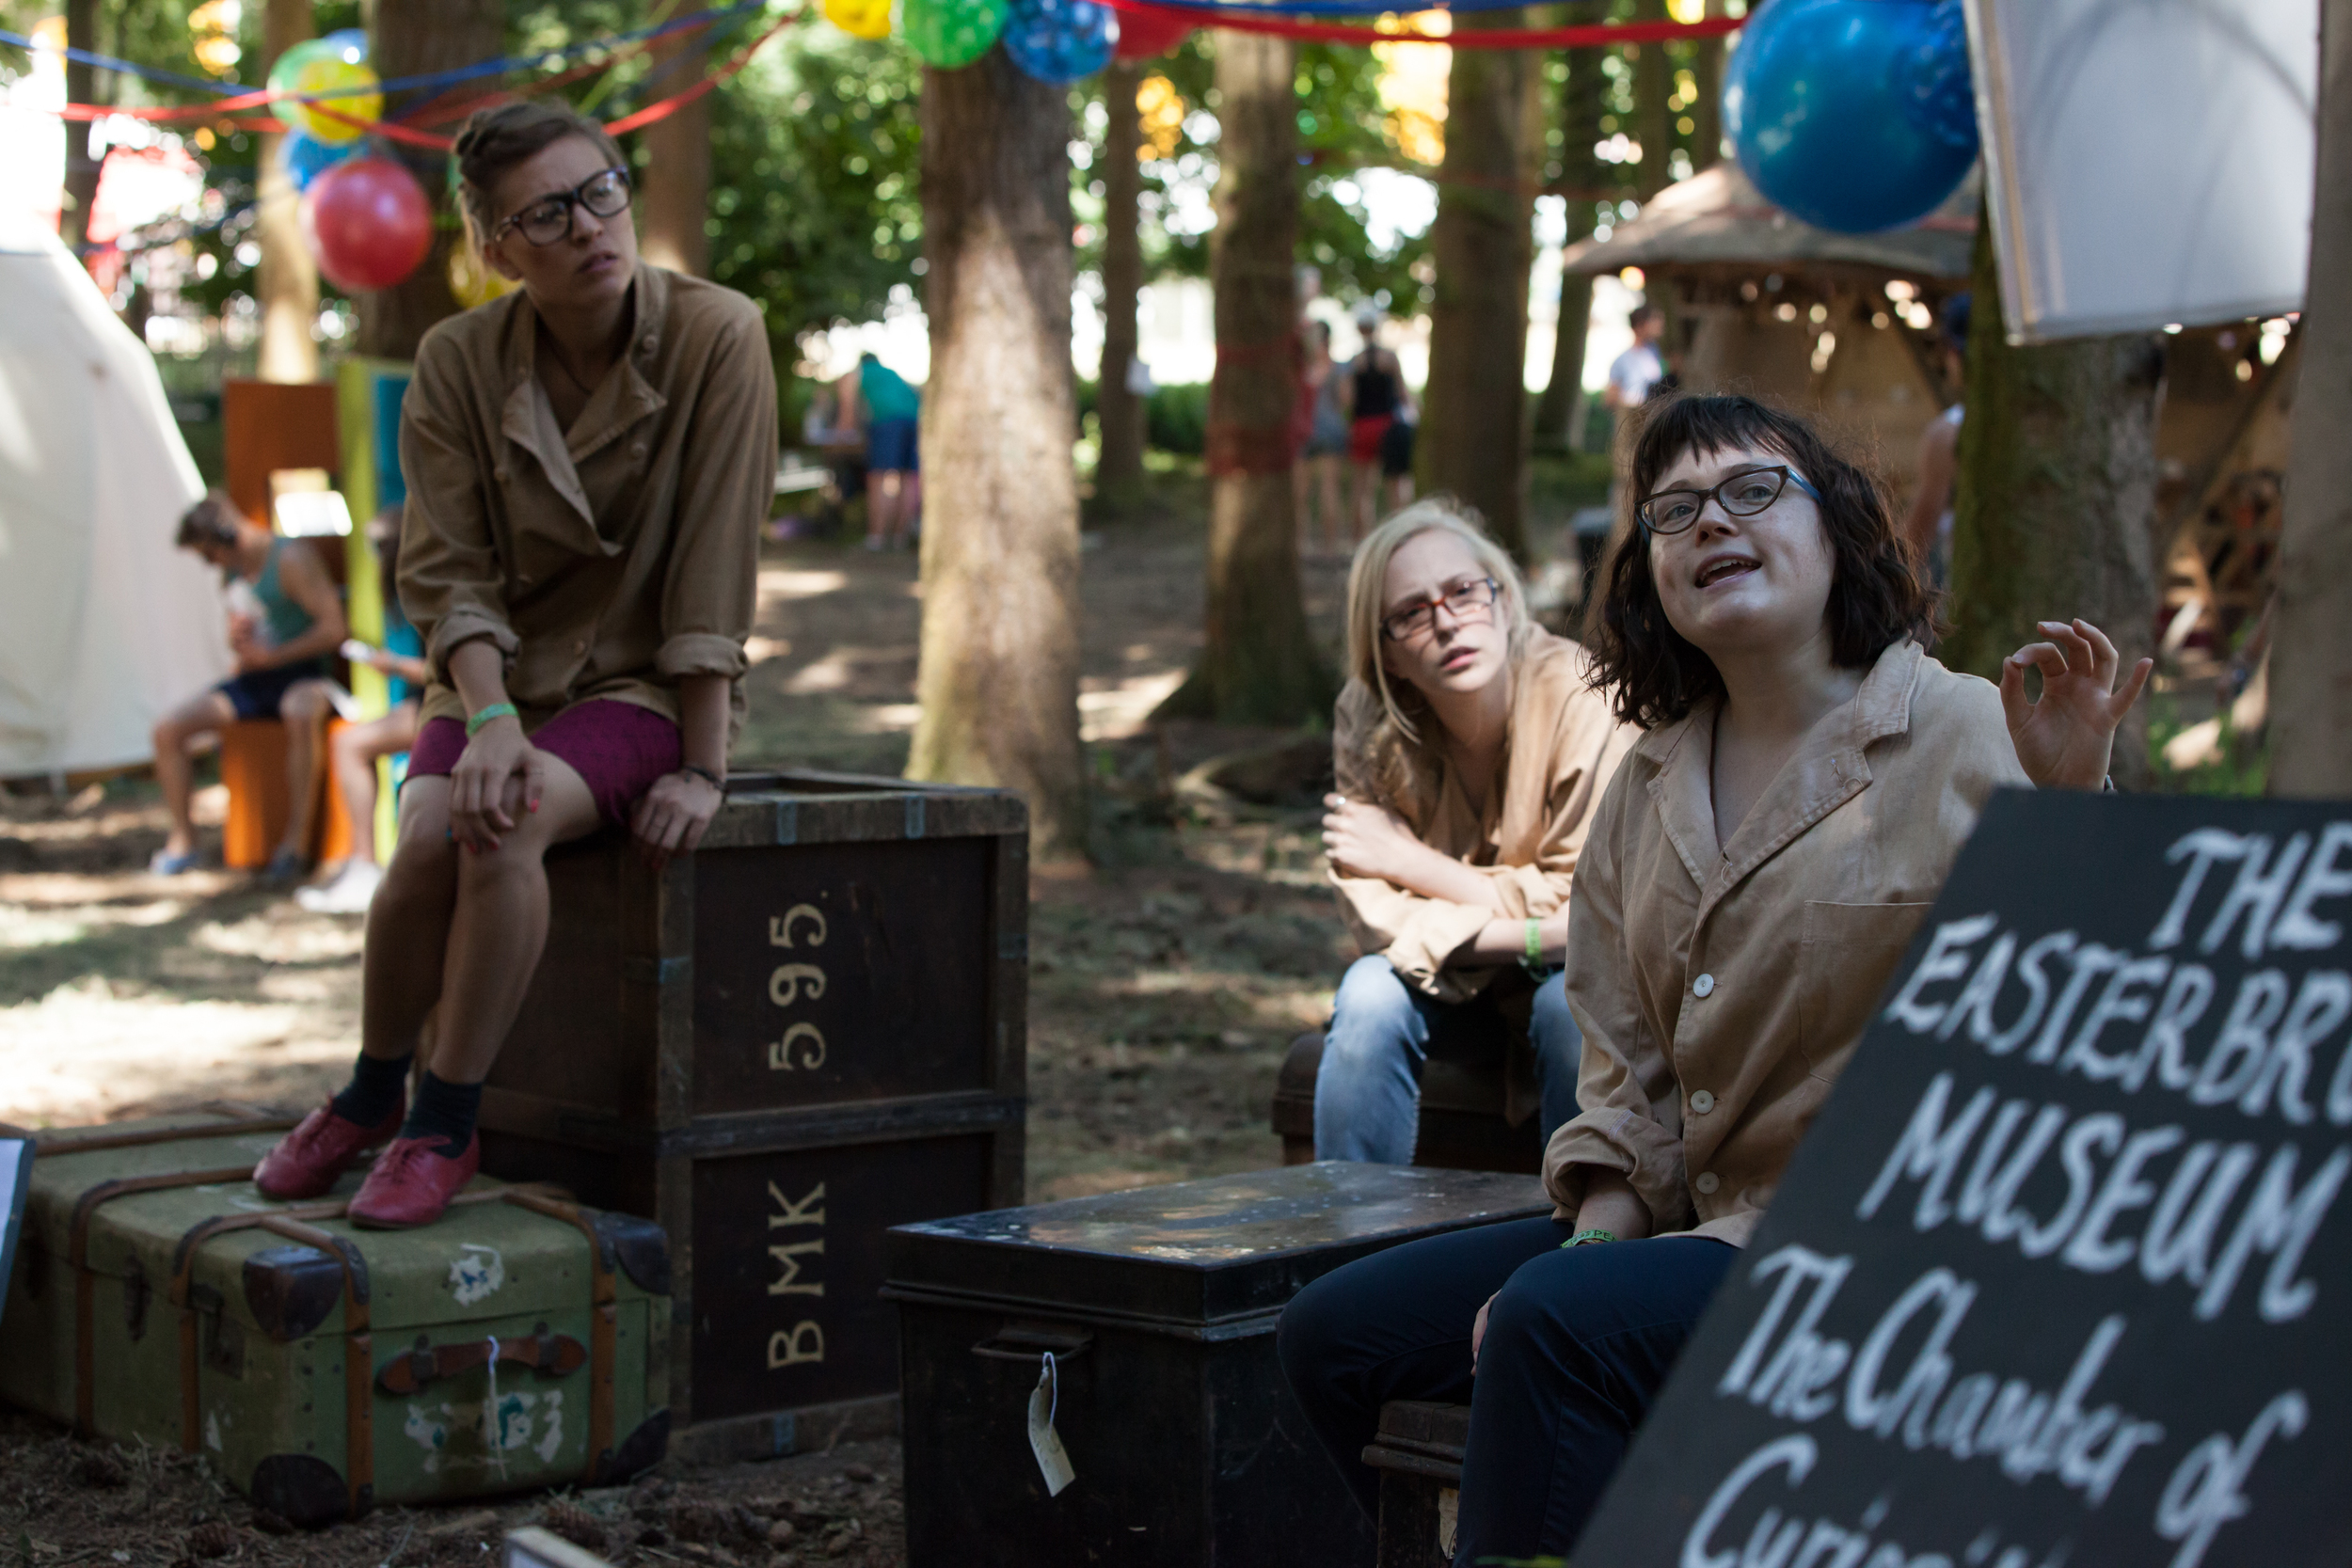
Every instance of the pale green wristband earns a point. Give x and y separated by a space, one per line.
495 711
1587 1238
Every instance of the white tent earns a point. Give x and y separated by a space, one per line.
103 625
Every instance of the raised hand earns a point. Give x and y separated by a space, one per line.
1364 839
2065 740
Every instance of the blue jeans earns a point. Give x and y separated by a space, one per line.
1578 1342
1368 1091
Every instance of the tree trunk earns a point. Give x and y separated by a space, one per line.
414 37
2057 497
675 203
1118 413
1654 123
81 87
289 280
2311 704
998 678
1260 664
1474 434
1559 414
1707 115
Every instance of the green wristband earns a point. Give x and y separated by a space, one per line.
1587 1238
495 711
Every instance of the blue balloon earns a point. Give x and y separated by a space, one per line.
1060 42
351 43
305 157
1853 114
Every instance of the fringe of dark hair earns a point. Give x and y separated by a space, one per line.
211 521
1652 674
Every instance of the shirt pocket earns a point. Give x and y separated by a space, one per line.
1849 953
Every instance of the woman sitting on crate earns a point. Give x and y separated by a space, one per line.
589 460
1752 876
1469 752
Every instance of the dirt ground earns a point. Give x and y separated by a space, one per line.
1165 986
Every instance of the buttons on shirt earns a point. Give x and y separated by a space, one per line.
1703 985
647 343
1702 1101
638 449
1706 1183
579 646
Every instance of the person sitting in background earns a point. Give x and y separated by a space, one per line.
879 398
1636 372
1751 879
1928 526
1469 752
285 617
589 460
354 748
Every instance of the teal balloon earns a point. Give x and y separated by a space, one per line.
350 42
1060 42
289 65
305 157
951 33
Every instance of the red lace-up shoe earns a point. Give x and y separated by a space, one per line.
321 1147
412 1183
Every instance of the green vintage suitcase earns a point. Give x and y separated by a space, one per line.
521 1341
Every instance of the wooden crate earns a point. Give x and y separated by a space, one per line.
811 1030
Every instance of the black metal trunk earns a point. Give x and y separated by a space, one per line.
1159 1307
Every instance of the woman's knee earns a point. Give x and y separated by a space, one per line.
1552 1026
1373 1002
1312 1325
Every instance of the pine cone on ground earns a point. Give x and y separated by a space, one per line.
576 1525
98 1468
213 1538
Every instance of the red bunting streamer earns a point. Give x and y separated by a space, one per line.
1245 20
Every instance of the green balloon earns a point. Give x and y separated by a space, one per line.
951 33
289 65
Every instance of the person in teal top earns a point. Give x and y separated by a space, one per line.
285 617
878 399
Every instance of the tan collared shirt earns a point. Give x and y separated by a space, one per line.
610 559
1560 750
1721 988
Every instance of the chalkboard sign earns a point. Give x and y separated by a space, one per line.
2061 1273
16 1180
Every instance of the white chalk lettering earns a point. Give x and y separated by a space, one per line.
2090 960
2238 1052
2102 1128
2321 1003
1974 1004
2278 1220
1946 959
2057 944
2201 849
1928 1151
2164 1049
2116 1003
2208 1487
2090 1250
2296 926
2261 887
1806 1363
1794 1454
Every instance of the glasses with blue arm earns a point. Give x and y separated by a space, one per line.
1742 495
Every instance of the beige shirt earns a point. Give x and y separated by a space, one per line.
1722 988
610 559
1561 747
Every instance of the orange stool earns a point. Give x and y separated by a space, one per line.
253 766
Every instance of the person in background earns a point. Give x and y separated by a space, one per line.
354 748
1468 751
1377 398
1752 876
285 617
589 460
1928 525
1636 372
1316 475
878 398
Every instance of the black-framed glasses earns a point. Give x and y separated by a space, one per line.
604 193
1742 495
1471 600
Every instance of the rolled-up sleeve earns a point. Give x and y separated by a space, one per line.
1625 1076
1414 932
729 483
452 586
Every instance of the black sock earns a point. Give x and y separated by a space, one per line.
445 1110
374 1088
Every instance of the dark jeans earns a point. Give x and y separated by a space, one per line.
1578 1343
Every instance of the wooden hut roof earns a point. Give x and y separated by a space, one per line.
1717 221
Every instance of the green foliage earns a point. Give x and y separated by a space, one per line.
2244 768
1176 419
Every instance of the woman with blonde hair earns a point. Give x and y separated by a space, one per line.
1470 751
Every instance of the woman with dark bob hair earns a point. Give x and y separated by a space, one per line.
589 460
1752 876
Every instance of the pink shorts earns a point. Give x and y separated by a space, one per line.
618 748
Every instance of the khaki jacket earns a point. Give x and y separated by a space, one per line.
1722 990
1560 750
611 559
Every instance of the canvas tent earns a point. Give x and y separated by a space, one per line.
103 625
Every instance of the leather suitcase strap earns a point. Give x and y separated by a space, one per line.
603 1323
242 1119
559 1354
358 1341
86 1283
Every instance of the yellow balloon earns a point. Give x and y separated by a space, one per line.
332 73
470 283
864 18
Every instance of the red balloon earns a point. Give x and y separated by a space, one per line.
1141 36
367 224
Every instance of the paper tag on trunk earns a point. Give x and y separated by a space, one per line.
1053 1461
